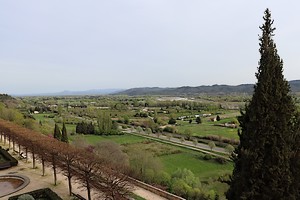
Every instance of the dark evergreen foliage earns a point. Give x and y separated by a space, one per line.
198 120
45 193
85 128
4 97
264 167
64 134
172 121
57 133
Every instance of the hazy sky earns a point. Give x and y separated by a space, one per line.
56 45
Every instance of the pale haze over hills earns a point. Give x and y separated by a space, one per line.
184 90
50 46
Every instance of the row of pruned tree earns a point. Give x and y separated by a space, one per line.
94 172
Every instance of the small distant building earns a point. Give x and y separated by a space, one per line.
181 117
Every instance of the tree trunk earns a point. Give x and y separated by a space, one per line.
43 165
70 184
33 160
69 180
54 173
13 145
88 189
54 169
26 153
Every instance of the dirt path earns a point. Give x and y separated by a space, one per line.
37 181
146 194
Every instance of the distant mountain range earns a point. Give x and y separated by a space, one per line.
185 90
213 89
76 93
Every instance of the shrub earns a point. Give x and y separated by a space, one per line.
172 121
169 129
149 175
120 121
229 148
221 160
163 178
198 120
25 197
44 193
211 145
148 131
207 157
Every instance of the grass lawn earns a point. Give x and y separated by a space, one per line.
136 197
39 117
43 116
208 128
193 161
120 139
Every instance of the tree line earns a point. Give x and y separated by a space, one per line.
94 171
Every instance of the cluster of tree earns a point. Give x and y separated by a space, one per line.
126 120
93 171
146 167
41 108
105 125
16 117
181 104
85 128
141 114
5 98
11 114
184 183
61 135
120 106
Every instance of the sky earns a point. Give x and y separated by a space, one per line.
53 45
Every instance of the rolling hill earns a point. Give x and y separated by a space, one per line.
187 90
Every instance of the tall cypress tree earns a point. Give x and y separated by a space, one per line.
64 134
263 167
57 133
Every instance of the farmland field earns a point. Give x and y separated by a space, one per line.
144 114
208 128
120 139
